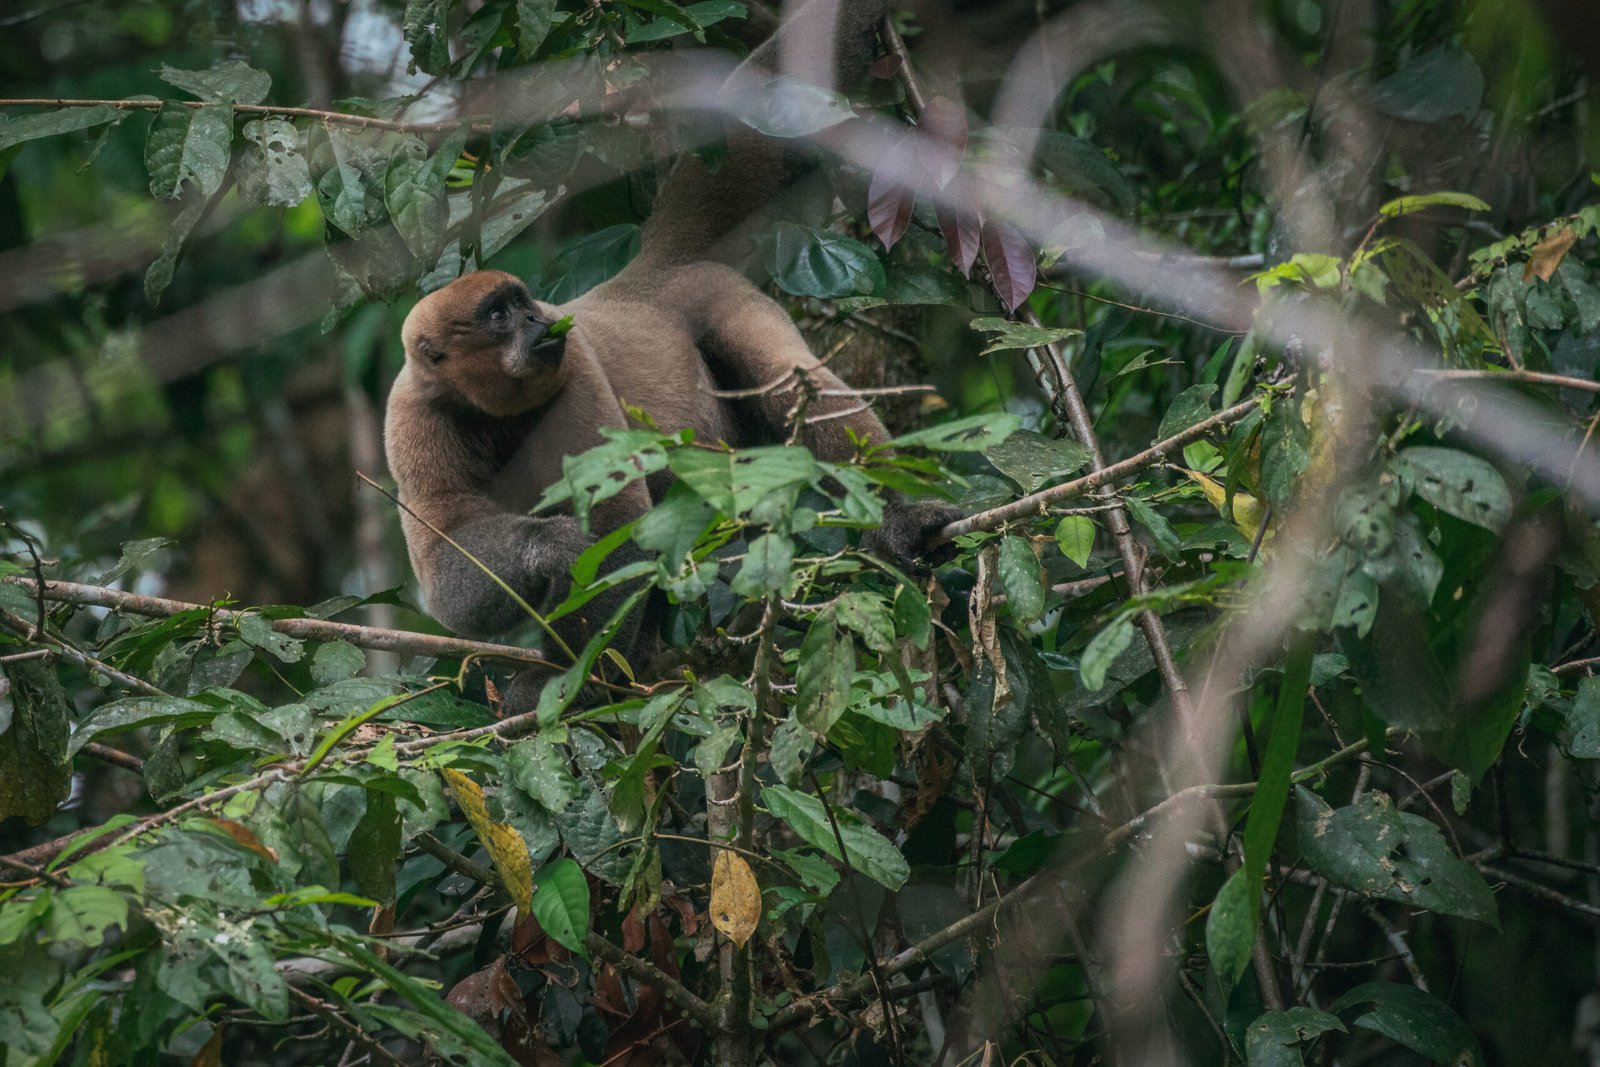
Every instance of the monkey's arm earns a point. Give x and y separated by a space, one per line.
756 344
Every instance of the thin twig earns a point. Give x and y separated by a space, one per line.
1532 377
73 654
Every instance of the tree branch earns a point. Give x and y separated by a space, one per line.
1036 503
338 118
373 637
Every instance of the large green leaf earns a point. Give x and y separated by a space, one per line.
35 771
1277 764
273 168
561 903
794 107
588 261
1416 1019
534 18
735 482
1375 849
18 129
1457 483
975 433
188 145
865 849
1438 84
1270 1040
426 30
823 675
1009 335
1031 459
807 261
1021 578
1231 927
232 82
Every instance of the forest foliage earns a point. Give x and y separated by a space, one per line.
1317 642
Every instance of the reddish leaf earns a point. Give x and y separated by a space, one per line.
943 125
958 221
889 202
1011 262
632 931
887 68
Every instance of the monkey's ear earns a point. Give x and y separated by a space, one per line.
427 351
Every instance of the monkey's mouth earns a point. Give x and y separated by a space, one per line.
548 351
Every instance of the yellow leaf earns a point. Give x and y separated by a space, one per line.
1548 254
505 846
735 897
1247 510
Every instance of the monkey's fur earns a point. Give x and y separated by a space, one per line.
488 403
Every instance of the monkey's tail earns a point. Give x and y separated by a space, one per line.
699 210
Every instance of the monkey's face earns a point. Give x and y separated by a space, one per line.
484 339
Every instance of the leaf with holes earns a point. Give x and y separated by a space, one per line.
188 145
1456 483
1383 853
1010 335
1021 579
272 168
735 897
1416 1019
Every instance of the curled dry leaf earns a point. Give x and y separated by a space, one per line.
735 897
1548 254
505 845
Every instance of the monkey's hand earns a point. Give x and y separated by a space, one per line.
533 556
909 536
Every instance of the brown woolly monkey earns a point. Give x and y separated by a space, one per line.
490 401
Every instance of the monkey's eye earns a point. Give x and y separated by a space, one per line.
436 357
498 317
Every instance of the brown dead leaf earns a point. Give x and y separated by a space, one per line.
245 836
1548 254
210 1054
735 897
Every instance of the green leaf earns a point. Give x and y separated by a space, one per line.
272 168
257 632
347 170
1442 83
1145 514
414 194
188 145
735 482
793 107
539 768
604 471
1021 579
81 915
1107 645
913 617
1583 720
1187 408
1277 764
1080 165
426 31
1031 459
766 566
1408 205
375 847
1375 849
159 274
868 615
232 82
1009 335
559 692
1415 1019
706 13
865 849
1456 483
561 903
488 1050
824 674
1269 1040
336 661
1231 928
588 261
1075 535
35 771
534 19
975 433
20 128
807 261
